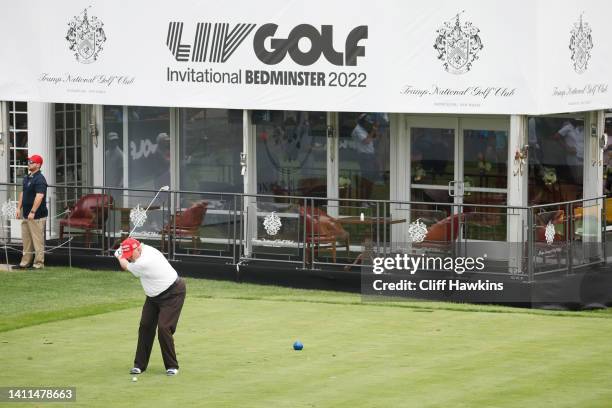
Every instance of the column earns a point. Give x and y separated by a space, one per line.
518 174
97 117
250 181
41 141
592 184
4 164
4 146
332 165
593 155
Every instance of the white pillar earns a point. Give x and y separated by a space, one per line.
518 174
249 180
592 180
399 178
41 141
4 145
97 117
4 164
593 155
332 165
41 136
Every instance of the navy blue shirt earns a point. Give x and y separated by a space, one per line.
32 185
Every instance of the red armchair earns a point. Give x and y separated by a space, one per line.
322 230
186 224
441 230
441 235
89 214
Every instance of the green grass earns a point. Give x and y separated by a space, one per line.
78 328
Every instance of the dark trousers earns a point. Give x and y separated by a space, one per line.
161 312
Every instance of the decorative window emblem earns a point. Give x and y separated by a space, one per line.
272 224
85 37
550 232
417 231
581 44
138 216
9 209
458 45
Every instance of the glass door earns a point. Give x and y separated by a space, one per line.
433 167
456 165
483 171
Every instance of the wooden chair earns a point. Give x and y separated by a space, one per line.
323 232
89 213
186 224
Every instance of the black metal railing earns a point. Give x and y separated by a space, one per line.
313 232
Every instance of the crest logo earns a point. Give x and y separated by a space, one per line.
86 37
417 231
138 216
9 209
549 233
458 45
272 224
581 44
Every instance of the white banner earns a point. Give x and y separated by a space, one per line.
468 56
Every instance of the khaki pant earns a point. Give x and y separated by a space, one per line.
33 236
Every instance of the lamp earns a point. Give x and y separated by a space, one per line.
520 159
603 144
93 132
243 163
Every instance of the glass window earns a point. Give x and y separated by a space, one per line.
363 151
113 148
556 159
18 141
149 147
210 145
607 157
433 156
291 153
68 170
485 158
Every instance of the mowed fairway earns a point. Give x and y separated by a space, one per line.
78 328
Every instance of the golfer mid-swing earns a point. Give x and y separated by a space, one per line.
162 308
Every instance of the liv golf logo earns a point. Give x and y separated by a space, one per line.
581 44
217 42
458 45
85 37
213 42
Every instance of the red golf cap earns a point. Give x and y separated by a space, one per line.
128 246
36 159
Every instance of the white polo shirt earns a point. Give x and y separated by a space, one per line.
155 272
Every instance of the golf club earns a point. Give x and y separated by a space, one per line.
163 188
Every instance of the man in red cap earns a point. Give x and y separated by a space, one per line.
33 207
162 308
